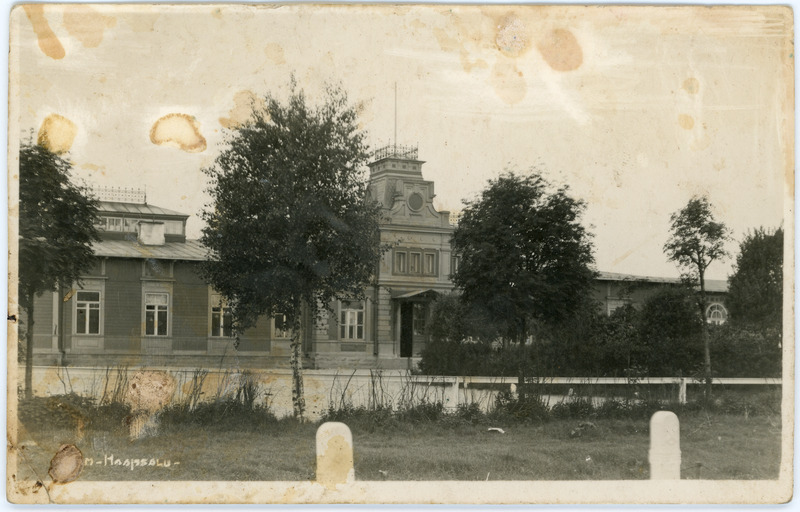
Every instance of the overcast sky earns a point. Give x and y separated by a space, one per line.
636 109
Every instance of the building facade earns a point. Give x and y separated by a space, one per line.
144 302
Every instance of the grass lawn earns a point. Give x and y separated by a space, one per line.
713 447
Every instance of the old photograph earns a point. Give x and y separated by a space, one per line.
400 254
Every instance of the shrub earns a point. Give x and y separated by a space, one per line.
236 409
531 408
71 411
575 408
227 414
422 412
745 351
470 412
360 418
765 403
670 332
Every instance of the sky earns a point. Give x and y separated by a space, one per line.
636 109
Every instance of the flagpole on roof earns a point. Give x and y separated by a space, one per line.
395 117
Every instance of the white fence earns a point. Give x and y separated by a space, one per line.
369 388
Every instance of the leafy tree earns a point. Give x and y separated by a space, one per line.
670 333
697 240
56 231
615 341
291 227
746 350
451 319
460 341
525 256
755 290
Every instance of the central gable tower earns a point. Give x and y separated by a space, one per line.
396 182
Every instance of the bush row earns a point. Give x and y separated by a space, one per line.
663 339
509 408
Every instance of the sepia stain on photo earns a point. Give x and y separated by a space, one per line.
400 254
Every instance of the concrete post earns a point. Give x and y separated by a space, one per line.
682 391
451 397
334 455
665 446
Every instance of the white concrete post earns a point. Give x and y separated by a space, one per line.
665 446
451 398
682 391
334 455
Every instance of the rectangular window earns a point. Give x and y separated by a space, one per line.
430 263
282 328
616 303
173 227
113 224
87 320
130 225
156 309
454 263
221 321
414 266
400 262
351 321
420 317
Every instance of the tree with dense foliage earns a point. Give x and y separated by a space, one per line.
614 343
56 232
525 257
460 339
670 334
696 241
291 227
755 290
746 350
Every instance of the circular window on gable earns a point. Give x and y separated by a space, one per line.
716 314
415 201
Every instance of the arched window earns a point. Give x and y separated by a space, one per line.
716 314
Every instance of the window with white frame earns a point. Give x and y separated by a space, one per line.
351 320
716 314
221 320
420 317
114 224
400 262
614 303
455 262
87 312
282 329
430 263
156 314
414 266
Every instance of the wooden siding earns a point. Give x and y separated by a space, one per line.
190 309
123 305
43 328
257 339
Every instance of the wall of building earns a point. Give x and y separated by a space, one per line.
122 284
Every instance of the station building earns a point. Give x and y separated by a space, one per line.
144 303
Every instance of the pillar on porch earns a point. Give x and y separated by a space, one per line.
385 336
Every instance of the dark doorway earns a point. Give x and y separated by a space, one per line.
406 329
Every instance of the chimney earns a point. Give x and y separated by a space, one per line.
151 233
